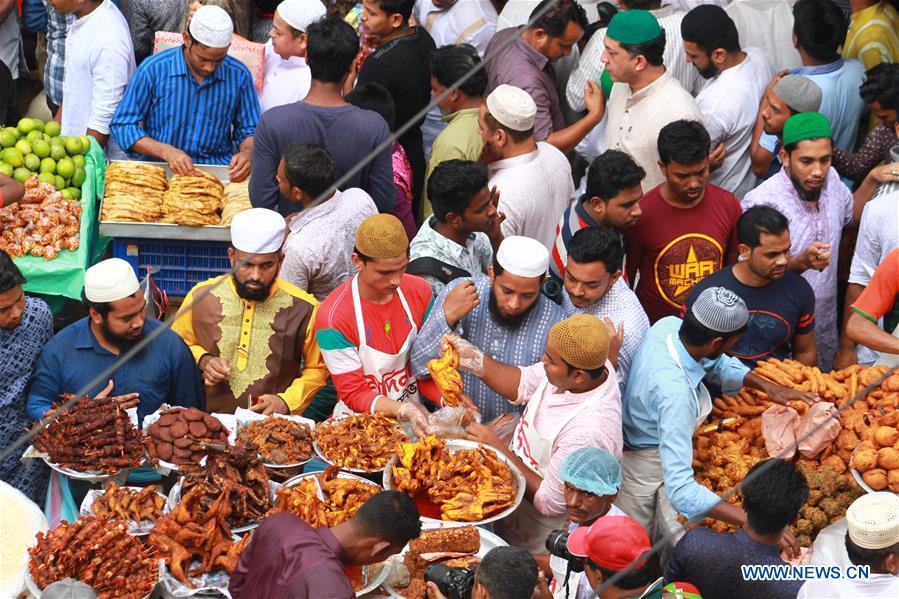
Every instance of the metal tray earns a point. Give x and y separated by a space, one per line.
328 461
168 230
175 496
453 445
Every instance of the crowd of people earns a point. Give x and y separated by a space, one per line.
611 211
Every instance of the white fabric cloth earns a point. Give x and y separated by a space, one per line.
633 121
513 107
769 25
465 22
688 5
523 256
10 40
534 190
99 64
590 66
878 586
212 26
729 104
517 12
299 14
258 231
286 81
878 235
110 280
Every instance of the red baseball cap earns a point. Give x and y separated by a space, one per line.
612 542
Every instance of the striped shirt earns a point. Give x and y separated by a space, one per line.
206 120
873 35
54 72
521 346
573 220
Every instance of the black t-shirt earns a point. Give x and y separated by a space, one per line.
403 67
778 312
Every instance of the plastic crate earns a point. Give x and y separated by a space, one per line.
182 264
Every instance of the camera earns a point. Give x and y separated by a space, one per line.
453 583
557 544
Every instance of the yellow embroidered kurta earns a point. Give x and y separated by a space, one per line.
270 346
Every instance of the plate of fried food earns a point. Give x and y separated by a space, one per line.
98 551
456 481
325 498
178 438
133 192
281 441
455 547
242 472
140 506
197 544
359 442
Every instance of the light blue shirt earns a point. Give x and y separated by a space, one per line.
659 409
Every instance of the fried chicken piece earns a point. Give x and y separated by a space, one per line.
445 374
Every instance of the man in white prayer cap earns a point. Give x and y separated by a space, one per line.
287 76
192 104
533 178
251 332
161 372
510 325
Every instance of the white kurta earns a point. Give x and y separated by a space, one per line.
99 65
285 81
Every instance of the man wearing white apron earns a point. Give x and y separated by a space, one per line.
573 401
878 301
665 400
366 326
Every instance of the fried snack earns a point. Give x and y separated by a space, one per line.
876 478
93 435
864 459
342 498
177 436
277 440
41 224
235 198
893 480
244 474
469 484
461 539
98 552
198 536
454 547
361 441
886 436
133 192
193 200
888 458
128 504
445 373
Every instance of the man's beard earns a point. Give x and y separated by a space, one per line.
253 295
509 322
806 195
489 155
123 344
710 71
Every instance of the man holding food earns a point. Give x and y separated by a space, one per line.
366 327
665 400
192 104
251 332
162 372
572 401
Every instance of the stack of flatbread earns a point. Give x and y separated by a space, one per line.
193 200
236 199
133 192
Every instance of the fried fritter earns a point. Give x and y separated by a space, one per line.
361 441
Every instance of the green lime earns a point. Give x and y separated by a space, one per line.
23 146
6 169
48 165
49 178
14 132
78 160
34 136
26 125
38 125
52 128
85 144
65 168
78 177
41 148
7 139
60 183
73 146
21 174
74 192
12 156
32 162
57 151
66 193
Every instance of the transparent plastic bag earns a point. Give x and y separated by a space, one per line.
450 423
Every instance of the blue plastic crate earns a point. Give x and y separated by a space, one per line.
182 264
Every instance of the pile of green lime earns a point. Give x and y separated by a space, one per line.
33 147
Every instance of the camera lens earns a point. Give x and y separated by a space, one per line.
557 543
